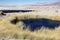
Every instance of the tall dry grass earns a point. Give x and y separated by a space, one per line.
9 30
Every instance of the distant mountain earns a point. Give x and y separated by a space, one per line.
49 4
52 4
7 6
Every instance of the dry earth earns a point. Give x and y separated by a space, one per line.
41 10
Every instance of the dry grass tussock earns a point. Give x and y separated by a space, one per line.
7 29
34 15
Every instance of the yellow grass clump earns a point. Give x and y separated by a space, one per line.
10 30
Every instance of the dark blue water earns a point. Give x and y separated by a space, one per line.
9 11
37 24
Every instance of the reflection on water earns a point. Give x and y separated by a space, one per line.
37 24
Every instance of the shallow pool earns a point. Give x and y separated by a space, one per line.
37 24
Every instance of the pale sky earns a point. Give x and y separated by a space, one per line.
24 2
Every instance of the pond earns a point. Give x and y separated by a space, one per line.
37 24
10 11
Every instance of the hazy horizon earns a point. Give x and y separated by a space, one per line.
25 2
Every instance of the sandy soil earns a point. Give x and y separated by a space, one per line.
42 10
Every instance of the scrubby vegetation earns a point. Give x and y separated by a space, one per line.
15 29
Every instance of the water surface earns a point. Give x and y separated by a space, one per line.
10 11
37 24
